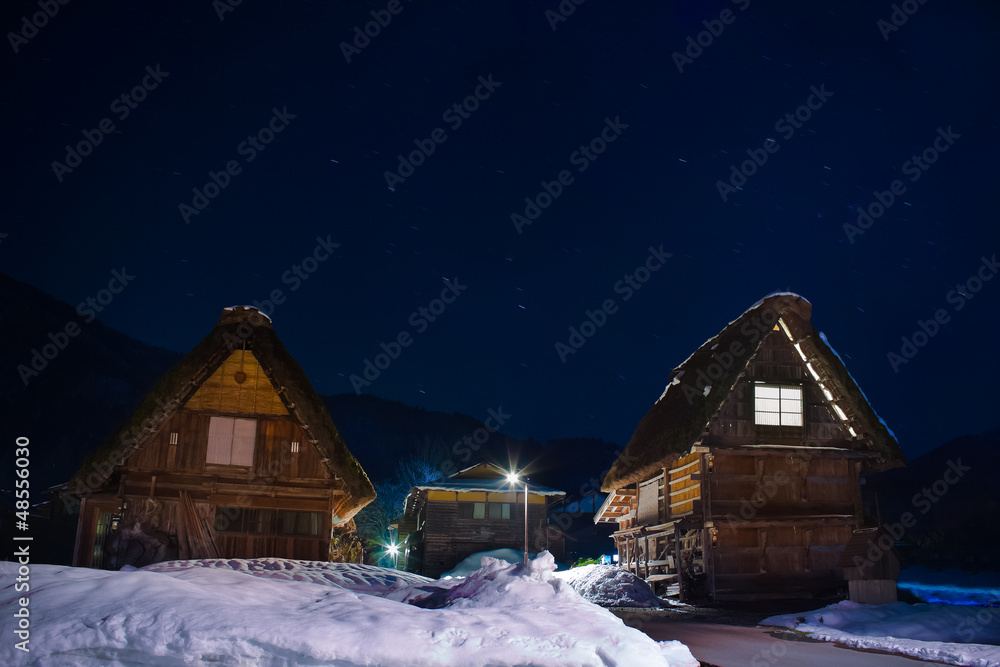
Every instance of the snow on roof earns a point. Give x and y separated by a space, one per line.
823 337
774 294
247 308
488 485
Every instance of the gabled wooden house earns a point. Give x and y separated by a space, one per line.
474 510
743 480
231 455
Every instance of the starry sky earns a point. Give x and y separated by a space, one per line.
508 167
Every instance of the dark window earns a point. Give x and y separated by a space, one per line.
471 510
499 510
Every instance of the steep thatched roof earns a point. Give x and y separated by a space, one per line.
677 421
239 327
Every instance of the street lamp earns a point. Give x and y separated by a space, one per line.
513 479
394 552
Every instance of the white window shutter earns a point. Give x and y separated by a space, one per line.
244 436
220 440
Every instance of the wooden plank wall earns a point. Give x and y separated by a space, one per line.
772 485
776 362
781 521
272 455
685 489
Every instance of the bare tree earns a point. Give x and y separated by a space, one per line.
374 520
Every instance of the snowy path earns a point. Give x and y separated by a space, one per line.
733 646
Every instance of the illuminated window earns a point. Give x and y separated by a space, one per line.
295 446
777 405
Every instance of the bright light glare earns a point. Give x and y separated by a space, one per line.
512 478
393 549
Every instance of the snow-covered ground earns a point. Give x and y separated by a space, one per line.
957 635
610 586
361 578
277 612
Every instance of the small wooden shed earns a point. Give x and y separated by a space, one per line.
871 566
474 510
231 455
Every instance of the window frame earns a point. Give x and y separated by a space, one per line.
781 400
217 434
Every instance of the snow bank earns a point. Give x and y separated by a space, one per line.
366 579
610 586
238 613
946 633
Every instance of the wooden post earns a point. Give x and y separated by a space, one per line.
678 563
856 495
708 523
646 554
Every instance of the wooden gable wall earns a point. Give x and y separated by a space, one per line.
776 362
272 448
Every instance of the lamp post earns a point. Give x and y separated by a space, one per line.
513 479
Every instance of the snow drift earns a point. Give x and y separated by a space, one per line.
476 560
283 613
957 635
610 586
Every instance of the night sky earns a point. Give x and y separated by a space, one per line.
838 104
